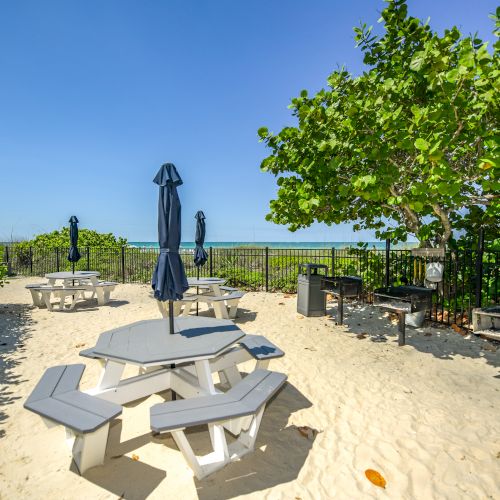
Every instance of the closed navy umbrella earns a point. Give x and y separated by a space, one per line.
169 279
74 254
200 255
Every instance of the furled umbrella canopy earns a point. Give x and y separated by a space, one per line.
74 254
200 255
169 280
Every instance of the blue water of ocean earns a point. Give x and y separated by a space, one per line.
310 245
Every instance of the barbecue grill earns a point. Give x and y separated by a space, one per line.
340 287
403 300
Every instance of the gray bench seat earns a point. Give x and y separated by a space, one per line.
245 401
57 399
218 302
261 348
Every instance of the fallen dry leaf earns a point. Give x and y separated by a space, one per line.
135 457
361 336
79 345
375 477
459 330
308 432
281 303
300 317
310 348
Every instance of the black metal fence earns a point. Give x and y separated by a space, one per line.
470 276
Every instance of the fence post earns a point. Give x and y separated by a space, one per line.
123 264
7 260
88 259
387 261
333 261
210 261
57 259
31 260
479 266
267 268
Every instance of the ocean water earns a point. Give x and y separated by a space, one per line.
309 245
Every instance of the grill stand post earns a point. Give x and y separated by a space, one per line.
402 321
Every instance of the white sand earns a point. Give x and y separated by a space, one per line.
425 415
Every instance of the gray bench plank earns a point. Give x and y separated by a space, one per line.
75 418
90 404
242 400
45 386
70 379
57 398
261 348
218 298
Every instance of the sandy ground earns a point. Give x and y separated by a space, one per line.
426 415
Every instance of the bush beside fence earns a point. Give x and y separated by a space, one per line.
470 276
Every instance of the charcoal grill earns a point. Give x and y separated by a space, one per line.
403 300
340 287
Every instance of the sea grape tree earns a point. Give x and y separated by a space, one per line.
410 146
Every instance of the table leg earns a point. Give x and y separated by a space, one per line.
110 375
402 321
206 382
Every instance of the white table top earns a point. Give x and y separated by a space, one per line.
67 275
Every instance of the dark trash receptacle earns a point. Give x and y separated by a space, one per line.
311 301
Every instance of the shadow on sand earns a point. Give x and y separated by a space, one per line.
280 453
434 339
15 321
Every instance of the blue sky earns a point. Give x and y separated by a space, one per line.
96 95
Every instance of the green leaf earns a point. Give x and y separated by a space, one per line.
421 144
418 60
263 132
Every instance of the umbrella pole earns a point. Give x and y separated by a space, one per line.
171 316
197 290
171 327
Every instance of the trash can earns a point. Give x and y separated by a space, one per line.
311 301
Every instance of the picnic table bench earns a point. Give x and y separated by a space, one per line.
247 399
58 401
42 293
225 306
184 362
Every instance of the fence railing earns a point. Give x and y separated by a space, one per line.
471 277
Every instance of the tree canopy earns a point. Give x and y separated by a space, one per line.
410 146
